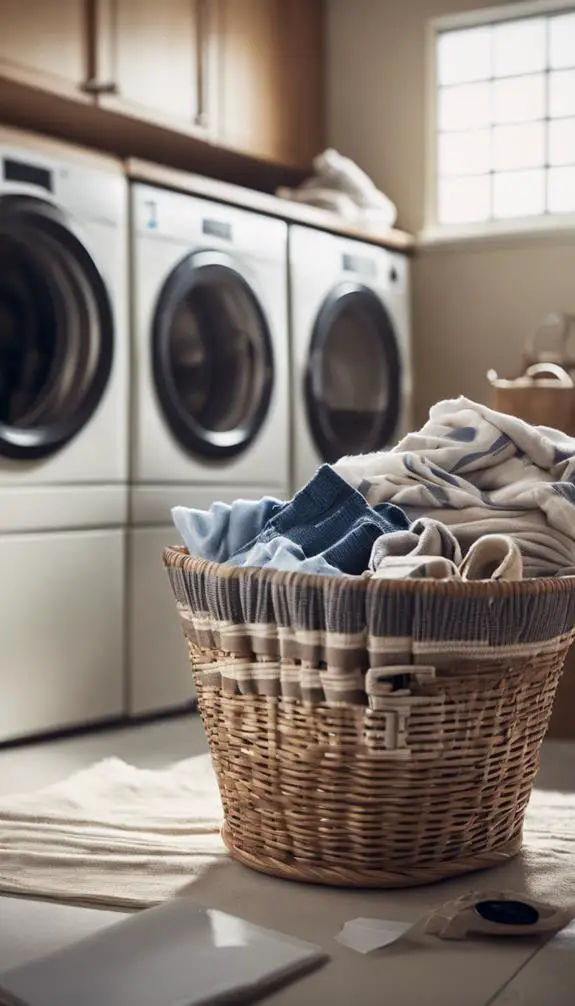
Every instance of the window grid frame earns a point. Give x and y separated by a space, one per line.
491 17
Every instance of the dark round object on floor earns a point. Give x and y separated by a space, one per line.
507 913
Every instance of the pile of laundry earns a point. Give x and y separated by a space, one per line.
340 186
475 494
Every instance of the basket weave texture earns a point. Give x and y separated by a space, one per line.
371 733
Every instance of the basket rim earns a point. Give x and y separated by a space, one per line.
178 555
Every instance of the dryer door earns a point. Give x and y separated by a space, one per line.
56 330
353 377
212 357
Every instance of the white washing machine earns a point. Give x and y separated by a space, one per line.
63 435
210 414
351 361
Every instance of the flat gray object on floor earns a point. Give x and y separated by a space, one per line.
177 954
30 929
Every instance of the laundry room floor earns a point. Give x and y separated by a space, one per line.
150 745
314 914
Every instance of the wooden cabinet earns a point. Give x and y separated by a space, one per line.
271 88
245 74
157 57
252 114
45 44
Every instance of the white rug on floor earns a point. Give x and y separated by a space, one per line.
112 834
116 835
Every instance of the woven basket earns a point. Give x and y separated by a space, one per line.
371 732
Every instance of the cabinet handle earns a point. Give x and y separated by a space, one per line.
100 24
99 87
203 21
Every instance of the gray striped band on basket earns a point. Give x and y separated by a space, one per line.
313 637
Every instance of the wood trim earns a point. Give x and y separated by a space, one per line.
114 131
261 202
41 81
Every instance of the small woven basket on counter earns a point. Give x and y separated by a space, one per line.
371 732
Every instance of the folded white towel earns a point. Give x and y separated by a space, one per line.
325 199
340 186
343 174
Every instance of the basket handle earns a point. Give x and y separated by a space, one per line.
550 370
564 325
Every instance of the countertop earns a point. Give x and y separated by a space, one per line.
262 202
456 974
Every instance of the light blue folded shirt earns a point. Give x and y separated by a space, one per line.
224 529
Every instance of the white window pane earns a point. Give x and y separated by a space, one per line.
562 141
464 200
561 190
562 40
465 153
562 93
518 146
467 106
518 194
519 99
464 55
519 46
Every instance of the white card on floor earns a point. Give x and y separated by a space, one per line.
365 935
178 954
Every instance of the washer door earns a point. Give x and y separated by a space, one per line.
353 377
56 330
212 357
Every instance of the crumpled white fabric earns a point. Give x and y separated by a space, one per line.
341 186
481 472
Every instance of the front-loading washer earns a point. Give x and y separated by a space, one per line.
350 343
210 415
63 434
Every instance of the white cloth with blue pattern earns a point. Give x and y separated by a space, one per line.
481 472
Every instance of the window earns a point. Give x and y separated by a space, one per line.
504 134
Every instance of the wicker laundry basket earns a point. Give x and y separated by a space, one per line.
371 733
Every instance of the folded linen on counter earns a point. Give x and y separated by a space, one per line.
340 185
481 472
327 528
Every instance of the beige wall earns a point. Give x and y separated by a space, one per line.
472 305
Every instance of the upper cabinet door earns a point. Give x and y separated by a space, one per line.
303 82
252 113
46 43
271 78
153 59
